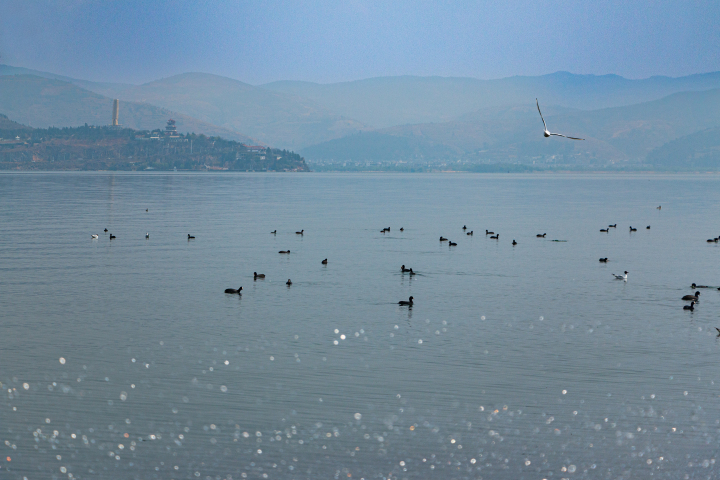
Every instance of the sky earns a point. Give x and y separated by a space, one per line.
325 41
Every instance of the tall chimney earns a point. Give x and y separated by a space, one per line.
116 113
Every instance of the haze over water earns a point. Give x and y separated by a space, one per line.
514 362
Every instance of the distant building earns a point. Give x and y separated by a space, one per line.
116 114
256 148
170 128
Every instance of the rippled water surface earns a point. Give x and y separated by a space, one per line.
123 358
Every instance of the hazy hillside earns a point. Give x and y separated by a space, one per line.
389 101
699 150
42 102
275 118
103 88
502 134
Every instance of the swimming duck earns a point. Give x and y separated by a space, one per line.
710 240
612 226
411 272
495 237
94 237
606 230
284 251
190 237
487 232
443 239
659 207
106 230
647 228
324 262
147 235
232 290
470 232
514 242
402 229
274 232
452 244
690 307
301 232
464 227
633 229
258 275
541 236
621 277
146 209
403 269
693 286
603 260
112 236
406 302
692 297
288 283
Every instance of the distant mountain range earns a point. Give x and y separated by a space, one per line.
411 119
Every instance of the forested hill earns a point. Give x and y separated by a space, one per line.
109 148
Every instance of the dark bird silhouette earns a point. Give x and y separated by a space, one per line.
612 226
406 302
403 269
274 232
606 230
470 232
147 235
402 229
541 236
190 237
258 275
495 237
452 244
464 227
284 251
633 229
112 236
487 232
603 260
514 242
692 297
106 230
301 232
288 283
324 262
690 307
443 239
411 272
647 228
232 290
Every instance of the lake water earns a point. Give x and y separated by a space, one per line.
123 358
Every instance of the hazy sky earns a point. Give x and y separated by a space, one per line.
259 41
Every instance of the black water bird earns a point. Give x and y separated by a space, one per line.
301 232
232 290
452 244
495 237
408 302
190 237
411 272
112 236
324 262
464 227
603 260
274 232
487 232
693 286
403 269
514 242
612 226
288 283
402 229
258 275
443 239
146 209
106 230
470 232
692 297
633 229
690 307
284 251
541 236
606 230
647 228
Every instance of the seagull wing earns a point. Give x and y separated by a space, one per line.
571 138
538 105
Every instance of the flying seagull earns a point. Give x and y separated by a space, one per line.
546 133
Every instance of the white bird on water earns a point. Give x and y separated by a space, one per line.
621 277
546 133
